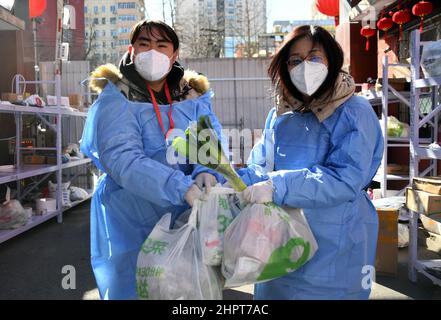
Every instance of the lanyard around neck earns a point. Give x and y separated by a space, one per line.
158 113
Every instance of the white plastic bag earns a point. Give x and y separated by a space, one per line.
216 211
12 214
77 193
65 192
430 59
403 235
266 242
170 267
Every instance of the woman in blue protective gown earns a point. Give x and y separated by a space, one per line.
127 133
321 147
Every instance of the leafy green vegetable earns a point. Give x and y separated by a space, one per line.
201 145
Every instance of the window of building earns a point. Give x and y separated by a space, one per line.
104 45
96 21
123 42
112 20
103 9
95 9
127 18
126 5
113 32
103 20
113 9
124 30
85 9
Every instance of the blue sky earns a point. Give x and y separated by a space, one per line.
276 10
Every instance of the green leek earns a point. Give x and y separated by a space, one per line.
216 158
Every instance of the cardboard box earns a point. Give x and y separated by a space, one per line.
76 100
8 96
34 159
51 160
428 184
397 169
386 261
52 101
432 224
423 202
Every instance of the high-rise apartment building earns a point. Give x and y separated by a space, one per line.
107 28
210 28
244 21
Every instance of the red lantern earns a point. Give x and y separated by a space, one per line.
329 8
385 24
422 9
36 8
367 32
401 17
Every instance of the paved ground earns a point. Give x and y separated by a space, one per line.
31 265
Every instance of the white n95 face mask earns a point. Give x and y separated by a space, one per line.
152 65
308 76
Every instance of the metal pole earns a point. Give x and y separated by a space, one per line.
414 106
435 100
413 245
413 151
17 140
36 67
59 163
18 128
384 111
235 92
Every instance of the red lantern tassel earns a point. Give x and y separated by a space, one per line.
421 24
367 44
401 32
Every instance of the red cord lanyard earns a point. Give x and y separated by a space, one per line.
158 113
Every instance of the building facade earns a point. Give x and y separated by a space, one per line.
220 28
108 24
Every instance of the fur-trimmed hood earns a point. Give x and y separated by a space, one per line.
198 84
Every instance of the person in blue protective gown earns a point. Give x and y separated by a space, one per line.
321 147
127 134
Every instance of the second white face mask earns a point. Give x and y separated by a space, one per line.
152 65
308 76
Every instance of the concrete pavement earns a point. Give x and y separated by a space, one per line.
31 265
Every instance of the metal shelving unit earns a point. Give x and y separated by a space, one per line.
18 171
418 152
383 98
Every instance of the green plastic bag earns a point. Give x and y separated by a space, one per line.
170 266
266 242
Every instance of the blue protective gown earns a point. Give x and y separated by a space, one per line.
138 186
324 169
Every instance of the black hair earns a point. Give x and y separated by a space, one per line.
155 27
278 69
